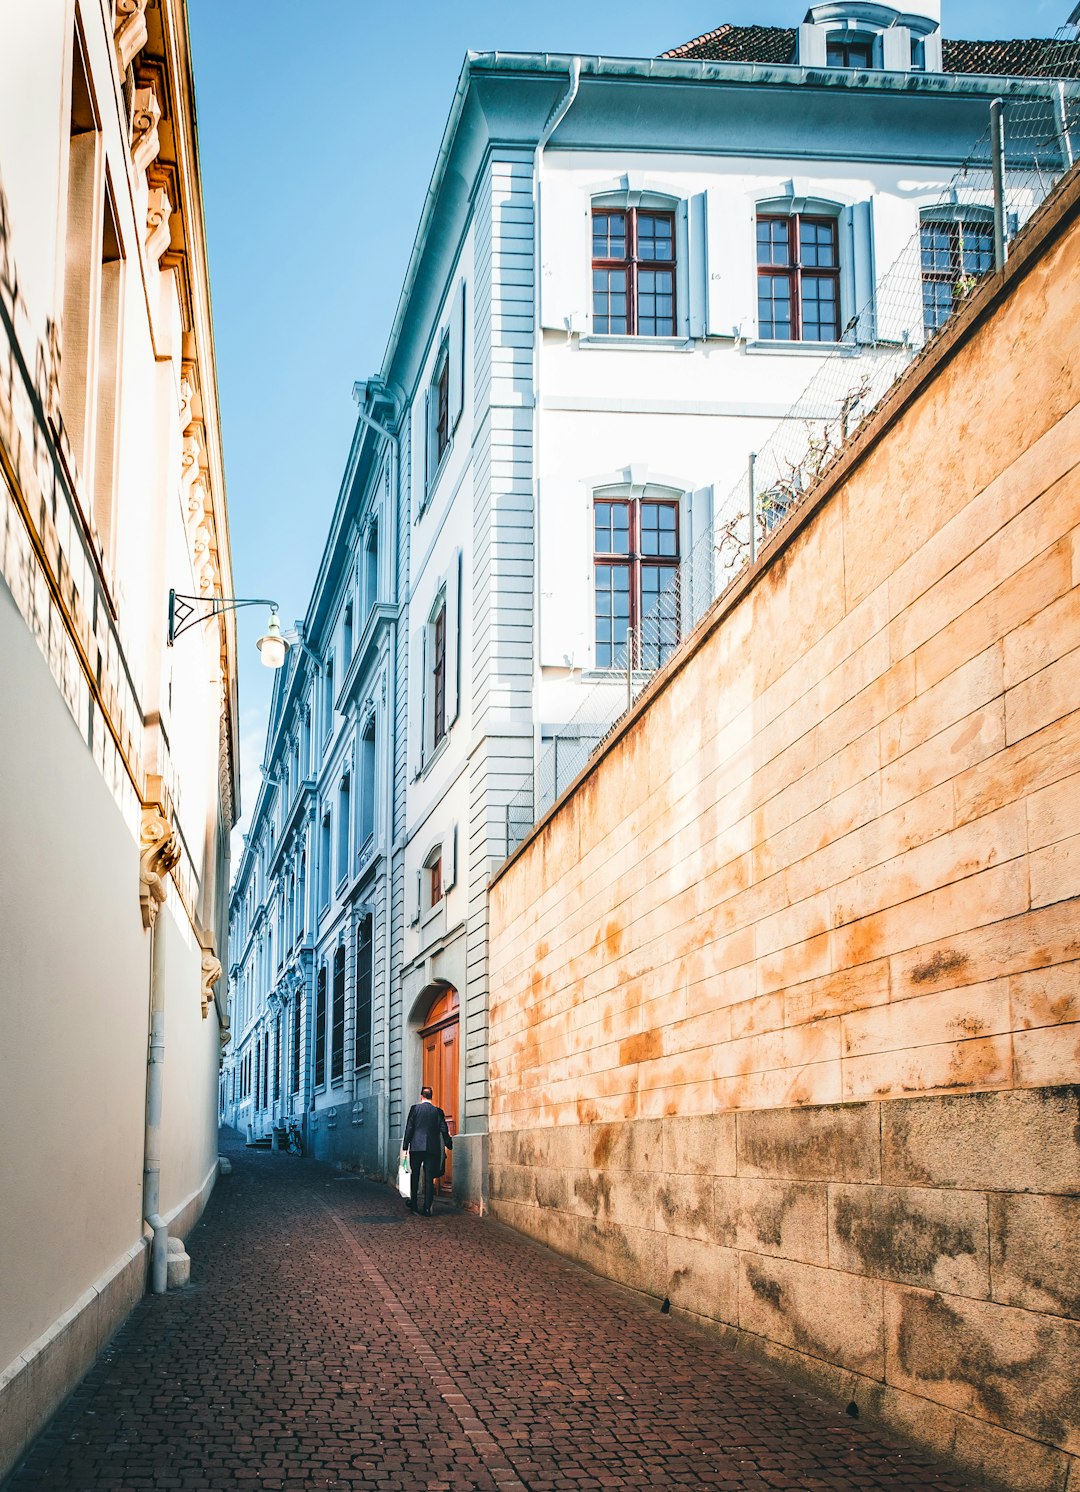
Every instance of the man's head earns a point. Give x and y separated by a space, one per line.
425 1092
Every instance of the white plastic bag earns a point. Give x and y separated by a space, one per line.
404 1182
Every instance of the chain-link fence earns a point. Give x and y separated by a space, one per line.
1029 144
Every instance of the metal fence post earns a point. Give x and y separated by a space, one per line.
753 507
997 162
629 667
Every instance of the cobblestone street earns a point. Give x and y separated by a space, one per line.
329 1339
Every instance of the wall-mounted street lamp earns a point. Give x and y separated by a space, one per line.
184 613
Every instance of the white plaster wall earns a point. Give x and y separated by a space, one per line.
74 976
189 1108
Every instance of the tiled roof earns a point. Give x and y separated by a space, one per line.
1037 57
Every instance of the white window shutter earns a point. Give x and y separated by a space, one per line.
898 293
414 897
417 712
453 637
457 354
449 859
698 566
731 301
697 263
861 271
565 558
565 258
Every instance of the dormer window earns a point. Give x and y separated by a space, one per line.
849 52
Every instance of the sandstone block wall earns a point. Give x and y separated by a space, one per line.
785 993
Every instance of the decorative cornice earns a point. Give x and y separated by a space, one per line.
145 117
129 30
159 853
158 231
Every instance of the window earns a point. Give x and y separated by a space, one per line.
296 1027
438 674
435 887
857 52
371 568
636 568
258 1070
365 981
953 254
301 894
346 639
277 1058
441 396
320 1029
798 278
343 829
328 697
337 1030
265 1069
324 861
367 784
633 268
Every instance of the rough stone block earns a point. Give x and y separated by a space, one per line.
916 1236
834 1143
1016 1141
787 1218
613 1197
513 1183
178 1270
15 1426
632 1146
1035 1252
822 1312
699 1145
703 1279
684 1206
1014 1368
1046 1057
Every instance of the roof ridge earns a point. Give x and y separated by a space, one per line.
694 41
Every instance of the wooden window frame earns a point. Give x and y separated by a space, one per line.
796 273
435 883
633 266
319 1052
637 562
441 387
337 1017
365 991
438 677
847 45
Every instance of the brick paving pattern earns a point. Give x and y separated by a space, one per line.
329 1339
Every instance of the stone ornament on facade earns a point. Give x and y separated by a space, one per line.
129 30
145 117
158 231
211 973
160 852
187 393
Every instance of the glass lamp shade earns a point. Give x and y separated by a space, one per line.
272 647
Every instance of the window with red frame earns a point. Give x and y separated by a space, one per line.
633 264
435 882
438 676
798 278
442 407
636 568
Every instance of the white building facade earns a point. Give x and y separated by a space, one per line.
118 793
625 275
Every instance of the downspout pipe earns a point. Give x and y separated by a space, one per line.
393 440
555 118
155 1088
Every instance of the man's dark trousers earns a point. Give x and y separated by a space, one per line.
429 1160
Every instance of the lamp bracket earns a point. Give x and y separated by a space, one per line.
184 609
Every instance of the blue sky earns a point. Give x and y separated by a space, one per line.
318 128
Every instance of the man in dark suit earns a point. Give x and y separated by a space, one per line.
425 1135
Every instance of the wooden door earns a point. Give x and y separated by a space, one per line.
440 1043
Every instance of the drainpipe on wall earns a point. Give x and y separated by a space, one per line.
155 1086
394 442
555 118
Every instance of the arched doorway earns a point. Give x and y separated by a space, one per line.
439 1044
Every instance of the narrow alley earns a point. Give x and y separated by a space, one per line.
329 1339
